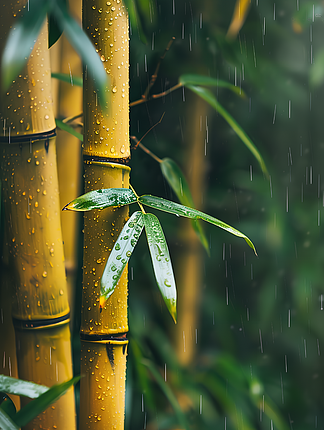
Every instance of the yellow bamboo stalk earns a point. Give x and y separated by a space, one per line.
106 146
68 102
190 262
40 309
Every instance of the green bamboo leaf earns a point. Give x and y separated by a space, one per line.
21 39
35 407
161 262
6 422
168 393
134 18
66 127
65 77
100 199
211 99
84 47
54 30
21 388
207 81
121 253
7 405
180 210
178 183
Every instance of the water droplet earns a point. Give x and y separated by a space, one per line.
44 274
37 163
46 116
166 283
61 292
113 268
114 89
117 247
128 253
118 257
122 149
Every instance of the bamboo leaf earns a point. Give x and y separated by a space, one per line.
54 30
211 99
100 199
121 254
180 210
207 81
161 262
21 388
6 422
65 77
168 393
21 39
135 19
84 47
65 127
7 405
178 183
35 407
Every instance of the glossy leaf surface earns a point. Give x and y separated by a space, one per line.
7 405
6 423
65 127
180 210
70 79
35 407
21 388
121 253
209 97
21 39
177 181
161 262
207 81
100 199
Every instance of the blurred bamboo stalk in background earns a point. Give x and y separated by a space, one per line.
191 260
40 308
106 150
67 103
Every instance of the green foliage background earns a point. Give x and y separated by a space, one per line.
260 329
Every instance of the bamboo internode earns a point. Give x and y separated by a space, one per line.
106 145
40 308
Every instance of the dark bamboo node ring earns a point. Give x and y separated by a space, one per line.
40 323
27 138
118 338
96 159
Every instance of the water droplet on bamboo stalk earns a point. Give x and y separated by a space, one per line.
44 274
114 89
46 117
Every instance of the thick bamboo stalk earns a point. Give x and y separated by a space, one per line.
106 147
30 190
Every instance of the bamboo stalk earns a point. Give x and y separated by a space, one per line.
30 190
106 147
68 102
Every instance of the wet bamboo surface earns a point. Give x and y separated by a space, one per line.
68 103
40 309
106 148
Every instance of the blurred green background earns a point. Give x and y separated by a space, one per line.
247 350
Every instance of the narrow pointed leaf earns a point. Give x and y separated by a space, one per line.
207 81
177 181
70 79
180 210
121 253
161 262
135 19
7 405
100 199
168 393
211 99
54 30
35 407
21 388
84 47
21 39
65 127
6 423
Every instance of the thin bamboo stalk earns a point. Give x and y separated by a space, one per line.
106 147
68 102
190 262
30 190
